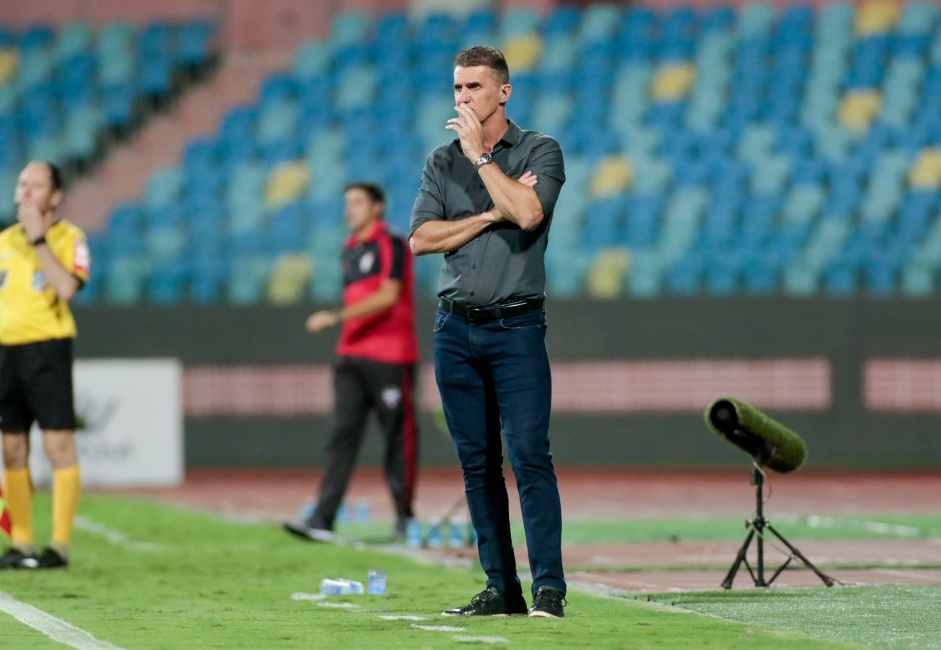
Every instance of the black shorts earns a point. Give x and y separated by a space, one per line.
36 385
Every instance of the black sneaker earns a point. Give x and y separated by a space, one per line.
310 533
49 559
548 603
14 558
490 602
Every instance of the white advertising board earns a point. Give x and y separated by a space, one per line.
130 424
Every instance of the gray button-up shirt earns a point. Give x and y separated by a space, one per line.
504 262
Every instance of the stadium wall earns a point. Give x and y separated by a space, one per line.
859 379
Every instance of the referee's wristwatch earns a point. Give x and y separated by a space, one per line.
39 240
485 159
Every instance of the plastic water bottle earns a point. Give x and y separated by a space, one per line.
340 587
376 584
458 532
435 537
308 507
413 533
362 511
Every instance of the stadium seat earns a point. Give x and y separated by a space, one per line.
287 182
606 278
289 278
742 150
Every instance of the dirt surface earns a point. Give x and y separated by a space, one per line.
592 494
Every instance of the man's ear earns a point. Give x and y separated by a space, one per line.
505 91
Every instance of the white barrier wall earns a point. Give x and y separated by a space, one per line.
130 424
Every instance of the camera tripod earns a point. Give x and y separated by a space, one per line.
756 532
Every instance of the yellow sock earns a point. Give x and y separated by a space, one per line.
66 487
18 489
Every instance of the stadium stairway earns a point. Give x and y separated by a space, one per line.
123 176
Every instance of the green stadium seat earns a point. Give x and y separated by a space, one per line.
125 280
248 279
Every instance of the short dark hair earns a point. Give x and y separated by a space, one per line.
487 56
55 175
373 191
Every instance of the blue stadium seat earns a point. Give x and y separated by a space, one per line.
753 183
193 43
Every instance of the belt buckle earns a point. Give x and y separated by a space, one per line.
479 314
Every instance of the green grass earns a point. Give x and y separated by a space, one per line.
211 583
889 616
728 529
712 529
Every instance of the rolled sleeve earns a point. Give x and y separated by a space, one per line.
428 205
547 164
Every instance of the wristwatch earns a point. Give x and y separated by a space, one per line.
39 240
485 159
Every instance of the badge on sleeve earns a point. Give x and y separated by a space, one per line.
81 260
38 282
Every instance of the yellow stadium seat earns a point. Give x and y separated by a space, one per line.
9 63
672 82
859 108
522 52
287 182
612 176
877 17
606 277
925 173
289 278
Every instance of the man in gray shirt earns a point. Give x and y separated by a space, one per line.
486 202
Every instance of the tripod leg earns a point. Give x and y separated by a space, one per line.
827 580
727 583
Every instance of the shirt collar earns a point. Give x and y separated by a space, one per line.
51 226
371 236
511 137
513 134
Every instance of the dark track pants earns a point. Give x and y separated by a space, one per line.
362 386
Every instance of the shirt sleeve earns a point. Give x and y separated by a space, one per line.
429 204
547 164
396 258
77 258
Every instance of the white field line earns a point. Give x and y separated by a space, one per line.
438 628
402 617
54 628
300 595
882 528
111 535
480 639
349 606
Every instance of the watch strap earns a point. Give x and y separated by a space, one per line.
485 159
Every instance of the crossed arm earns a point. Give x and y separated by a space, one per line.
516 198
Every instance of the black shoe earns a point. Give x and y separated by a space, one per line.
308 532
548 603
490 602
49 559
16 559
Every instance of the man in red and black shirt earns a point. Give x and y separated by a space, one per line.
375 365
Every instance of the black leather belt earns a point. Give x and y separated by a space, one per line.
488 313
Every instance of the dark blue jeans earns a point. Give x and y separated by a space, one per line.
495 376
